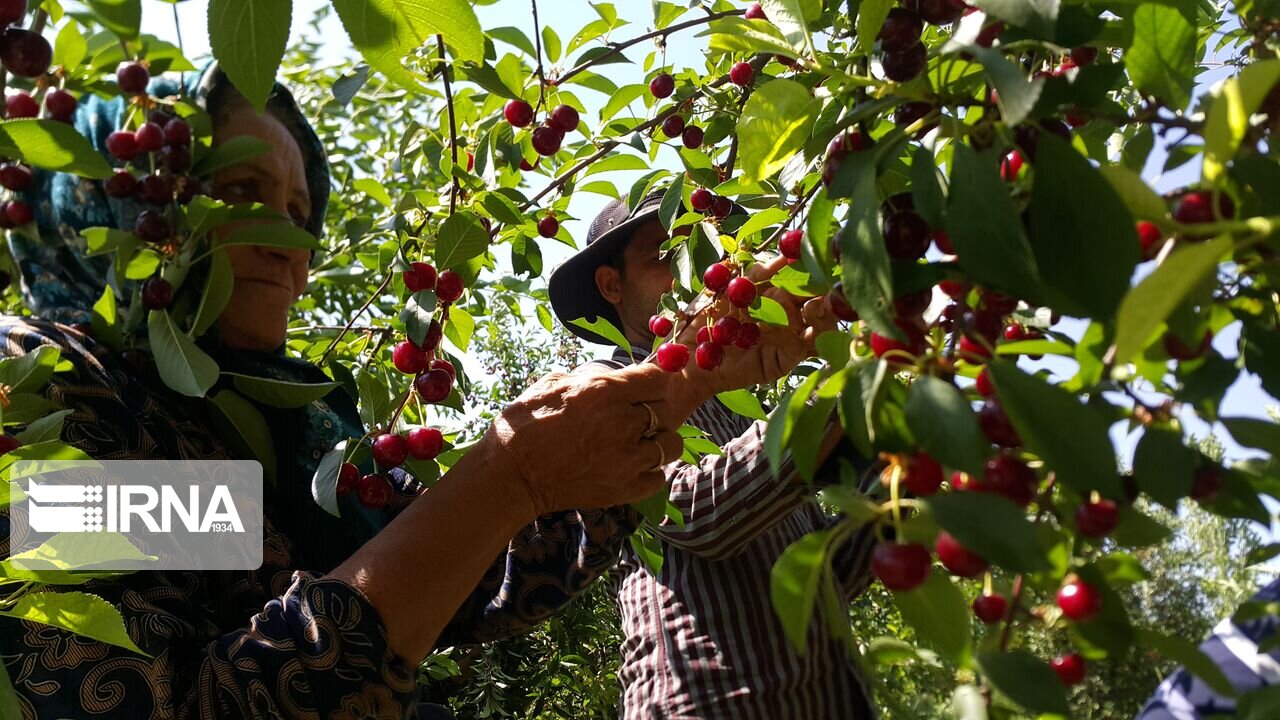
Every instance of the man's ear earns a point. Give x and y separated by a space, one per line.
609 283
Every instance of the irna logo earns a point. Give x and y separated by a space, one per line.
116 508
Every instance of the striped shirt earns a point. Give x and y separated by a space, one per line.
1234 648
701 638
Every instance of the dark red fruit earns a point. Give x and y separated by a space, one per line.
425 443
906 235
906 65
913 345
837 150
1207 483
721 207
964 482
949 318
1011 165
704 335
726 331
60 104
672 126
433 385
1097 518
1149 237
983 385
152 227
1084 55
990 608
909 113
958 559
390 450
546 140
157 293
518 112
25 53
564 118
913 304
954 289
1008 476
20 105
923 475
12 11
941 12
901 30
662 86
123 145
840 305
1198 207
742 74
15 177
716 277
419 276
789 244
409 358
701 199
741 292
155 189
749 336
672 357
132 77
692 137
121 185
445 365
974 350
1178 350
177 158
900 567
150 137
374 491
348 478
448 286
996 426
942 241
1079 601
996 303
754 12
1071 669
18 213
177 132
661 325
989 34
548 226
709 355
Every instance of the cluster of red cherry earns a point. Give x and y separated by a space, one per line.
713 338
547 137
390 450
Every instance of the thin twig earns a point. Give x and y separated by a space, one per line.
537 42
726 170
331 328
641 38
346 329
453 128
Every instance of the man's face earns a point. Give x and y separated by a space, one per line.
645 278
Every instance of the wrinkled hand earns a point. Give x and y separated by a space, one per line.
577 441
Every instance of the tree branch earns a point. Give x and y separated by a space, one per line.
453 127
346 329
537 41
641 38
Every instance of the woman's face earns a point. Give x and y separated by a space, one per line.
268 279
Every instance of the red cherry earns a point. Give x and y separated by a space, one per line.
121 185
12 12
983 384
954 289
1097 518
906 65
672 126
445 365
749 336
721 207
177 158
24 52
942 241
913 304
997 303
18 213
906 235
661 325
701 199
913 345
157 293
425 443
431 340
1079 601
1011 166
548 226
448 286
152 227
132 77
672 356
155 190
726 331
546 140
990 608
837 150
716 277
973 350
390 450
15 177
1084 55
374 491
662 86
957 559
177 132
996 425
923 475
754 12
1008 476
741 292
1149 237
420 276
1179 350
150 137
742 74
900 567
433 386
1207 483
20 105
789 244
901 30
704 335
941 12
123 145
518 112
709 355
524 164
348 478
60 104
963 482
840 305
564 118
692 137
1197 207
1071 669
409 358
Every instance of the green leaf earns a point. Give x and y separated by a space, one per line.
245 430
1137 195
417 314
52 145
9 706
864 262
985 228
217 293
991 526
1136 530
604 329
388 32
324 483
551 43
871 15
271 234
1083 458
248 39
45 429
1036 16
1149 304
1255 433
770 312
1161 59
672 203
940 616
743 403
1082 234
1163 467
183 366
460 328
942 420
105 318
793 584
791 18
231 152
76 551
280 393
69 51
29 372
1235 101
621 98
775 124
122 17
1026 680
1187 654
76 612
375 400
1017 93
461 238
737 35
808 433
1110 630
1260 704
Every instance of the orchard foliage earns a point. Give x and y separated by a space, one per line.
964 182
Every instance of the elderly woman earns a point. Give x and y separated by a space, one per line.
342 610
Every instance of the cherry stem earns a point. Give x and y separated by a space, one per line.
641 38
726 171
537 41
1046 497
453 127
894 477
356 316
